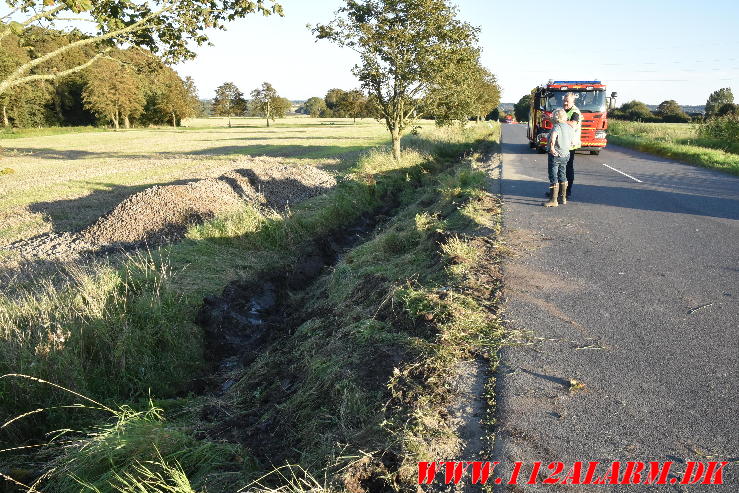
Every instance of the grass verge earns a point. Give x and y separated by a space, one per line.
679 144
353 386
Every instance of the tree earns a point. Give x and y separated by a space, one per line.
521 109
265 102
352 103
671 112
728 109
313 106
487 94
281 107
333 101
113 91
229 101
163 26
717 99
634 111
175 97
40 102
462 96
405 47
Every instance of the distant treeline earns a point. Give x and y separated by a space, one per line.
124 88
339 103
720 103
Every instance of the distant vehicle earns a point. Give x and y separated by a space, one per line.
590 98
509 119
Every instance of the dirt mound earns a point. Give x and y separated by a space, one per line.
282 184
162 213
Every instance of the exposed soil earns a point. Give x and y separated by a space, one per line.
249 317
238 323
162 214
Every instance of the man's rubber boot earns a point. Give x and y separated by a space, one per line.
554 189
563 192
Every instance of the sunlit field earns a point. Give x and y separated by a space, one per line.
64 182
681 141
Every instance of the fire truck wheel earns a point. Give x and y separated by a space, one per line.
532 145
541 150
594 153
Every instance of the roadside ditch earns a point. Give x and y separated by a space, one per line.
341 365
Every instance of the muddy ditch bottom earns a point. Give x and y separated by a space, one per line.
249 315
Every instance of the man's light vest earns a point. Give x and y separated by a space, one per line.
576 142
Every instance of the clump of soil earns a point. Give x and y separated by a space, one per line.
161 214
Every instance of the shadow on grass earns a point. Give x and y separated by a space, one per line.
286 137
292 151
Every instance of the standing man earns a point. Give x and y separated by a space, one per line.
574 119
559 144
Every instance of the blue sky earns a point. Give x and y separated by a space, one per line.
645 50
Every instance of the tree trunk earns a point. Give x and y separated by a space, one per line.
114 118
395 134
268 113
58 103
126 122
229 120
174 120
6 123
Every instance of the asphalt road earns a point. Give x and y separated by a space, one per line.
632 289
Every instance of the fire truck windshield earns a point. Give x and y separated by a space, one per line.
588 101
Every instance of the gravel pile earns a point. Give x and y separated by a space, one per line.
162 214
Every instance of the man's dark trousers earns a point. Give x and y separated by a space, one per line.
570 172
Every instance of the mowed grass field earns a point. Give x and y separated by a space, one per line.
64 182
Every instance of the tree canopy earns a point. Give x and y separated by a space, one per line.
634 111
166 27
671 112
229 101
333 99
406 47
267 103
314 106
353 103
175 97
521 109
473 93
114 91
717 99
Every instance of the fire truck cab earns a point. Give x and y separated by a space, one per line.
590 98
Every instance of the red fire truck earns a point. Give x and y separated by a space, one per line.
590 98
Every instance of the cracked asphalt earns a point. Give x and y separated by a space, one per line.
631 290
